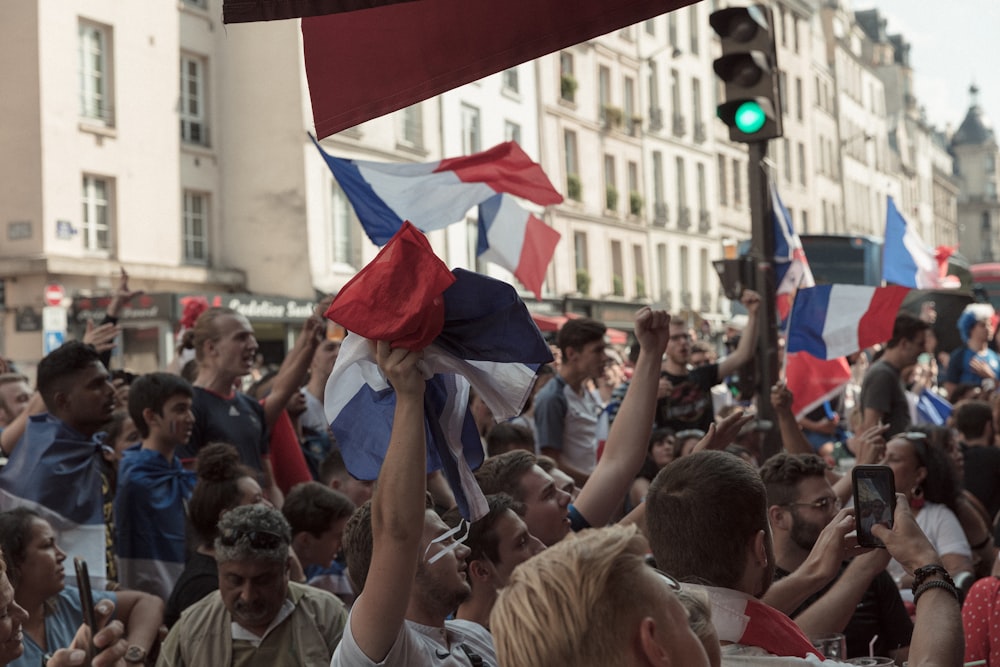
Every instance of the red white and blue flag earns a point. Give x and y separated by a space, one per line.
908 261
516 240
836 320
474 330
791 269
58 473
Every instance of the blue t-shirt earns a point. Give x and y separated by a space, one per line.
960 369
60 626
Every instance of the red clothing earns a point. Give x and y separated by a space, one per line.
287 459
981 621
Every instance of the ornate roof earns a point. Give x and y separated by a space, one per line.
976 129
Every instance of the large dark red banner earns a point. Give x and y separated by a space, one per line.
363 64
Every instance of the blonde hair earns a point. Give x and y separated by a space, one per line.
206 329
575 603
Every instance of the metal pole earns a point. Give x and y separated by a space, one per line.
762 254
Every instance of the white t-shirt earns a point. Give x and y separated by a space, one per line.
418 645
942 528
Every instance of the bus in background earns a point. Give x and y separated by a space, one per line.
987 277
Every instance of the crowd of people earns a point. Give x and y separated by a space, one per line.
630 517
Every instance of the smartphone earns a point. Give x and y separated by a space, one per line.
874 501
86 604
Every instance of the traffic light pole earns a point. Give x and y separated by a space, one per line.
762 254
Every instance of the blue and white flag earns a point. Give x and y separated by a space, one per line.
932 409
489 342
58 473
150 521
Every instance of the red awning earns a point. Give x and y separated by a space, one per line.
364 64
551 323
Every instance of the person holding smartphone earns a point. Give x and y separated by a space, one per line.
34 563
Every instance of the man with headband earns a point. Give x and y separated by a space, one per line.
417 564
257 617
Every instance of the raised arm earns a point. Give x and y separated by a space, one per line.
748 341
397 511
294 367
627 442
938 638
792 437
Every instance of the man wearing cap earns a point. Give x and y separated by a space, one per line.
688 402
257 617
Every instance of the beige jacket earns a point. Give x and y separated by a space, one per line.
203 635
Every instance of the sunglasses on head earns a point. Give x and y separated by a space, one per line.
257 539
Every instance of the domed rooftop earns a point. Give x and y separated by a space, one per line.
976 129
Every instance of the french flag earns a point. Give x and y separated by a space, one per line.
791 269
433 195
906 259
58 473
516 240
832 321
932 409
814 381
488 342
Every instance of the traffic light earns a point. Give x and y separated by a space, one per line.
749 68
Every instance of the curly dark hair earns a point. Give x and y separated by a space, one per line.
15 533
219 473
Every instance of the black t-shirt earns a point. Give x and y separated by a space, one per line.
880 612
199 578
238 420
689 404
982 475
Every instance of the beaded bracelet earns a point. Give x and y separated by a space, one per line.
921 573
935 583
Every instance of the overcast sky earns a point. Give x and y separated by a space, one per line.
953 43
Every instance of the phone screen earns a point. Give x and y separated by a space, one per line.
874 501
86 604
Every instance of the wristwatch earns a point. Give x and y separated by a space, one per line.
135 654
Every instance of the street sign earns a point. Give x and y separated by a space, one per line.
54 322
54 294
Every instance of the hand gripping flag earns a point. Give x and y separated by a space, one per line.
791 269
906 260
57 472
836 320
486 339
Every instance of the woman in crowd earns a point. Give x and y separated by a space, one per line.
971 514
923 474
660 452
34 563
223 483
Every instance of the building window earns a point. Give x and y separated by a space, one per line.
693 27
654 93
802 163
567 79
628 105
651 27
95 73
659 204
634 197
511 131
702 188
610 184
603 91
795 32
799 113
203 4
737 185
96 213
471 136
639 261
580 250
510 80
412 126
783 91
675 91
573 186
342 219
617 269
723 185
194 129
661 269
805 221
681 183
475 262
672 29
195 227
786 160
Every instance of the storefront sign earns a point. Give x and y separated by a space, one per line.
142 307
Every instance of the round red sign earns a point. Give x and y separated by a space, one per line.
54 294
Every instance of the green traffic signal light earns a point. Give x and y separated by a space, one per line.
750 117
